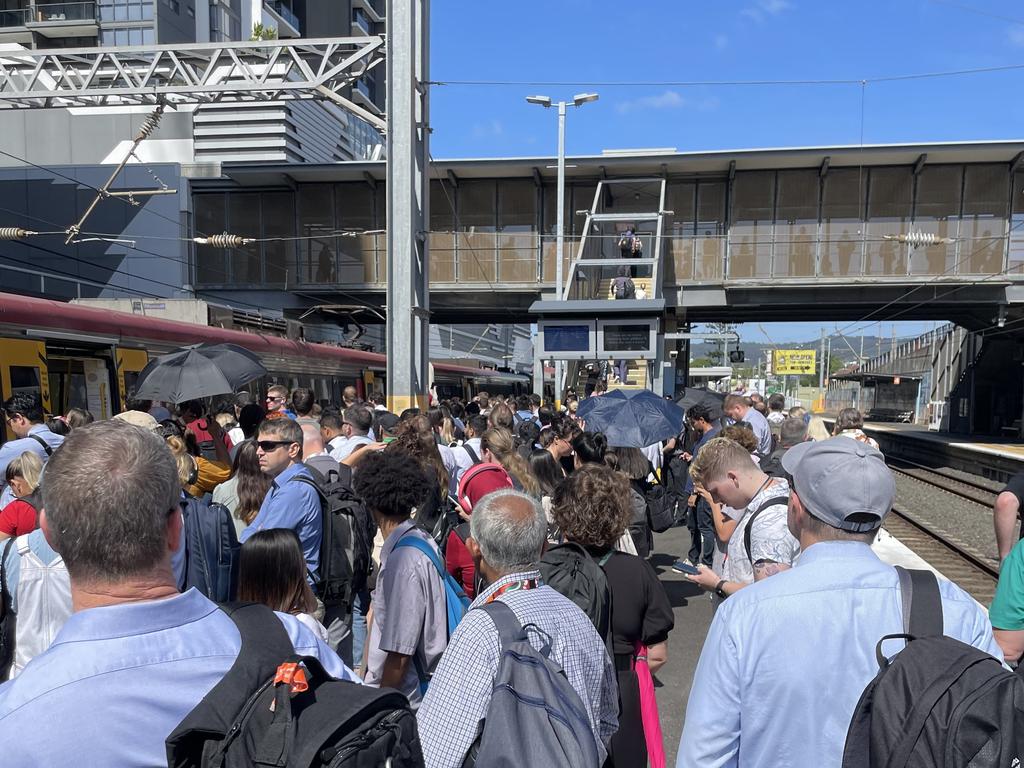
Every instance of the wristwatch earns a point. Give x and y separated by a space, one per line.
719 591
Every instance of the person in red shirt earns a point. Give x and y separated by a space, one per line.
477 482
204 430
22 515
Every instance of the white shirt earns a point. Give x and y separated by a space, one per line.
345 446
770 538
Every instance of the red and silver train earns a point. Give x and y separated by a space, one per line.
87 357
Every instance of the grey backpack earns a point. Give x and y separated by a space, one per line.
535 717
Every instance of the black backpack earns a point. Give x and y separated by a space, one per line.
570 570
771 465
625 288
263 713
661 513
347 544
211 549
939 702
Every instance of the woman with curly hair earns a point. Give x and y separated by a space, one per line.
498 446
591 507
415 438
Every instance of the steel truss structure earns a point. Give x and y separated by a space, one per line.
198 73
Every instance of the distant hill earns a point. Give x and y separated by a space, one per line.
754 351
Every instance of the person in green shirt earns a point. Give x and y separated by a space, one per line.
1007 610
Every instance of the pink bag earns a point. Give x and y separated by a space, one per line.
649 710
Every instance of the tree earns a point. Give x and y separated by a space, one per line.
720 355
260 32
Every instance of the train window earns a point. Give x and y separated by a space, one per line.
24 379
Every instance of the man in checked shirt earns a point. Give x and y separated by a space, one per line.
508 531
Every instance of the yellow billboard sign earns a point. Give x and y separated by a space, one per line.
794 361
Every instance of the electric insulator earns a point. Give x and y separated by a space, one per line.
151 122
917 239
224 240
14 233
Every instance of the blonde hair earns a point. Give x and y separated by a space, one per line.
184 461
718 456
503 446
816 429
28 466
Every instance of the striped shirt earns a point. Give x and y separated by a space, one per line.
460 689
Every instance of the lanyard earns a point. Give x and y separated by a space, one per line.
514 586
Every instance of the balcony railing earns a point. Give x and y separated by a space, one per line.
15 17
66 12
285 12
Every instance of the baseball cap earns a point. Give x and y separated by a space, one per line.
139 419
842 482
387 422
480 480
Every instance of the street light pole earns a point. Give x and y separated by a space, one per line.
560 239
545 101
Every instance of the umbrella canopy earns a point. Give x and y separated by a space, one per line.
632 418
199 371
694 396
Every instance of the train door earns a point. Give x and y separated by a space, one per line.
23 368
130 363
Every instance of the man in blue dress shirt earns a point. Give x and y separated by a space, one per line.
787 658
136 656
23 414
738 408
289 503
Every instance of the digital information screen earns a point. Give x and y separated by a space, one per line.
626 338
567 338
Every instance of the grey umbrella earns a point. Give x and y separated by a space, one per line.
697 396
632 418
198 371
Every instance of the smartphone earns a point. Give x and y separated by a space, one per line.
688 569
387 440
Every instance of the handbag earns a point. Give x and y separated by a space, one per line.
649 710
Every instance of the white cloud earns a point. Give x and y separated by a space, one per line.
664 100
1016 35
721 42
762 8
488 129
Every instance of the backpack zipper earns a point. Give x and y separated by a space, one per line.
350 749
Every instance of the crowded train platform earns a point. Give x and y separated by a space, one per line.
616 580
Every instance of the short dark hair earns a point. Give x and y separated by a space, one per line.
242 399
792 431
390 484
377 398
523 403
25 403
331 420
776 402
535 400
191 406
699 412
249 418
282 429
360 418
409 413
472 408
849 418
478 424
302 401
545 414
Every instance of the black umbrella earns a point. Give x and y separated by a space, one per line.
632 418
695 396
198 371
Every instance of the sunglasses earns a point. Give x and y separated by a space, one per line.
267 446
274 399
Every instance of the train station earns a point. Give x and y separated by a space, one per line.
570 458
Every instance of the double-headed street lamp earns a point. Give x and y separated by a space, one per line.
545 101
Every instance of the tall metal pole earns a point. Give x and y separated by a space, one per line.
821 372
408 112
560 239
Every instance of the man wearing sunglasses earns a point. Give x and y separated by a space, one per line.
276 404
294 505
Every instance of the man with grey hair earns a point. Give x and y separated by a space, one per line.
787 659
133 644
508 534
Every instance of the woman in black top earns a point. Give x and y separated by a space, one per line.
591 508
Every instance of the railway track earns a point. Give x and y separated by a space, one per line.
974 573
976 491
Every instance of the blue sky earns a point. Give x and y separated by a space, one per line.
645 45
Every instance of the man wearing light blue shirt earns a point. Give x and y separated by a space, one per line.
136 656
290 502
787 658
23 413
738 408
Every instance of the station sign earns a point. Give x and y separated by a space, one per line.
568 339
798 362
627 338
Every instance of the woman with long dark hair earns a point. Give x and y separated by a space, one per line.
244 491
272 571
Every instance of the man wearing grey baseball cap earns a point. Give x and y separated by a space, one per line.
787 658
